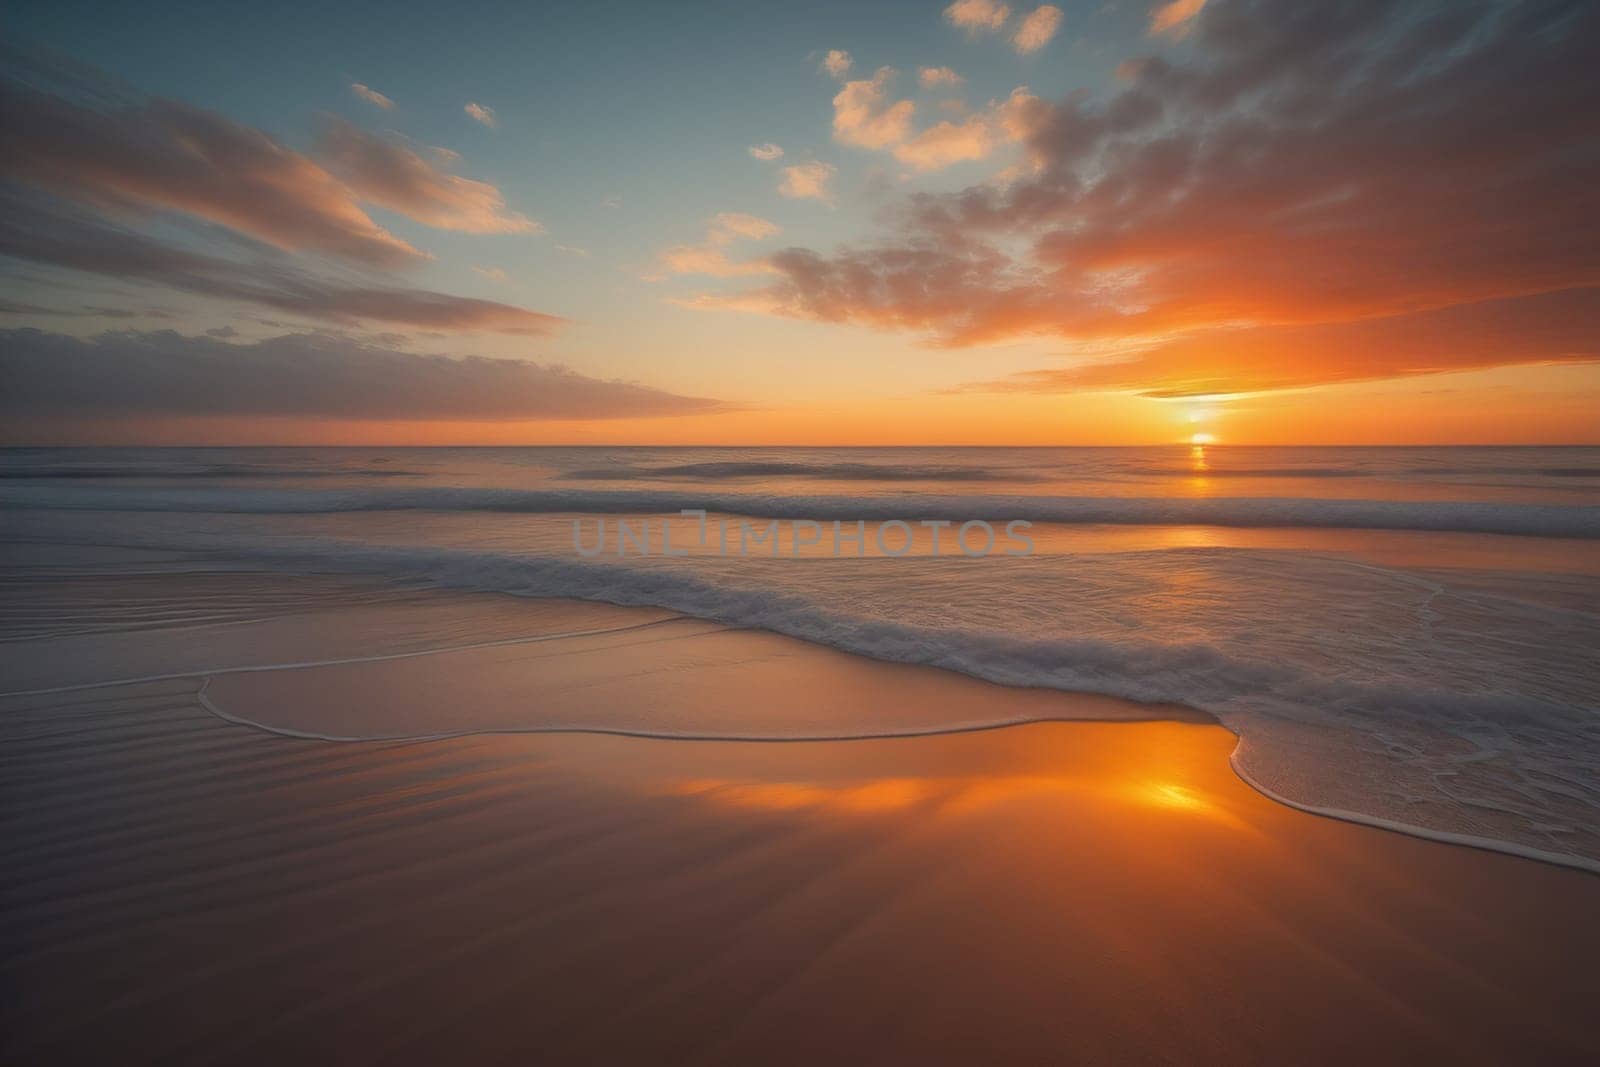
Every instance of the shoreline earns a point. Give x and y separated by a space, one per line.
1157 711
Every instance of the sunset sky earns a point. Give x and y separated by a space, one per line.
820 223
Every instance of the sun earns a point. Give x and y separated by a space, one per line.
1203 439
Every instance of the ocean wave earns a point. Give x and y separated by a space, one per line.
1522 519
866 472
100 472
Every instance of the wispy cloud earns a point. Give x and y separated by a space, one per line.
768 151
710 256
163 155
750 227
494 274
372 96
44 231
939 78
479 113
384 172
85 311
1549 328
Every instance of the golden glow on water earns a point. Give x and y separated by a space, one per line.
1198 483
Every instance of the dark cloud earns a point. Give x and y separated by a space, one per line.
1301 164
87 311
164 373
41 231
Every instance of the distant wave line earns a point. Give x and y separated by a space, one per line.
1517 519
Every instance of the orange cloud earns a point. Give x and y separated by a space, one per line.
372 96
710 257
748 226
977 15
947 143
86 165
41 230
1037 29
1175 17
161 154
837 62
1255 186
391 175
1549 328
1003 122
807 181
864 117
480 114
939 77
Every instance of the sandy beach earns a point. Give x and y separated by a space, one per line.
186 889
940 532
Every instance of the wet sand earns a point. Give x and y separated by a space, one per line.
183 889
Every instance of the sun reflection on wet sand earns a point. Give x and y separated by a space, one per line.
885 795
1168 795
1090 770
945 795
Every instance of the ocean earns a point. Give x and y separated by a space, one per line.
1401 636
